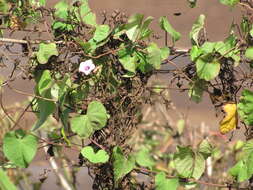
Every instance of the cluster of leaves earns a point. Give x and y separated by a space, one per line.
103 107
85 104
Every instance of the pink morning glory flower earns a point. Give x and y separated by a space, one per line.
86 67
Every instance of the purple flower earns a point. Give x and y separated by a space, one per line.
86 67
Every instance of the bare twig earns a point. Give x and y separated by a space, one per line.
21 116
65 184
10 40
28 94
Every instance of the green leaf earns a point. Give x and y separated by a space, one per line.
199 165
143 158
189 184
62 88
100 156
205 148
154 56
38 3
62 26
42 2
4 6
80 93
245 25
95 119
192 3
45 108
82 126
249 53
43 89
229 2
85 14
61 9
195 52
221 48
118 31
143 65
128 59
101 33
196 28
180 126
44 83
228 47
5 182
166 26
248 147
239 145
243 169
46 51
97 115
1 81
165 52
189 163
249 162
20 148
162 183
251 31
144 30
196 90
207 67
245 107
208 47
136 28
133 27
86 46
240 171
121 165
99 39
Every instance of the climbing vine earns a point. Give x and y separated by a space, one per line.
92 80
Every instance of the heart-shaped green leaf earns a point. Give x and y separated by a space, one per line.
82 126
97 115
189 163
133 26
20 148
166 26
127 59
85 14
95 119
121 164
143 158
207 67
46 51
100 156
205 148
101 32
154 57
162 183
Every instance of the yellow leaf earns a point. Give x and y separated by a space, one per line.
229 122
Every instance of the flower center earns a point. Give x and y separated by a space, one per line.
86 68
